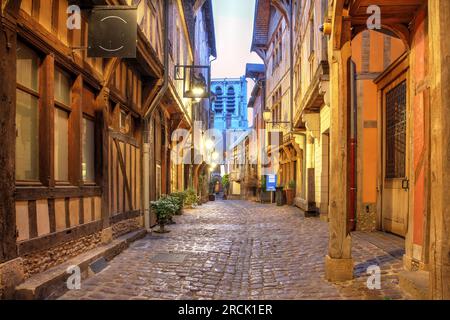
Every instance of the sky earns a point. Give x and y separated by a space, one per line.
233 21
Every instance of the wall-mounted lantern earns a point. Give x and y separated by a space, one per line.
196 81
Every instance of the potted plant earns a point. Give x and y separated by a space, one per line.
211 195
180 198
164 209
279 195
290 192
265 196
226 185
191 198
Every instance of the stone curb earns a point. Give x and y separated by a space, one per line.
52 283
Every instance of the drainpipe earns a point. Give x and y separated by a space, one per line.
149 112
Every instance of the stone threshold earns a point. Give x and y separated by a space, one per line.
51 283
415 283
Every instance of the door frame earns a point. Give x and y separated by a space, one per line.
396 72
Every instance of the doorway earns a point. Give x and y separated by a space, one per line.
395 183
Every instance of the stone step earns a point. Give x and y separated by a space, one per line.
52 283
415 283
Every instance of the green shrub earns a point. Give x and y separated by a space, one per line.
263 183
164 208
226 181
191 197
180 197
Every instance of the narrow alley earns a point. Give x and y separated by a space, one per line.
241 250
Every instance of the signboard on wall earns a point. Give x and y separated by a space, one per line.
271 182
112 32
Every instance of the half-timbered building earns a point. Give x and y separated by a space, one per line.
86 141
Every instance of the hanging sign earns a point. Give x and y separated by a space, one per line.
112 32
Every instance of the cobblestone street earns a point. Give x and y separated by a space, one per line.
243 250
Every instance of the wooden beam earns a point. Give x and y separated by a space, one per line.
108 72
439 48
11 7
8 44
47 122
75 130
124 172
102 153
339 264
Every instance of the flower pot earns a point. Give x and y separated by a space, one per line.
162 228
265 196
290 196
212 197
279 197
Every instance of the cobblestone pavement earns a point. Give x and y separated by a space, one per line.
241 250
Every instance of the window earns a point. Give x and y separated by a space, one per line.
396 132
277 54
61 132
88 150
61 145
62 87
124 122
311 35
27 114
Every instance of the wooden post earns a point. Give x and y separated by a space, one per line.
439 15
102 167
338 262
75 129
8 43
47 124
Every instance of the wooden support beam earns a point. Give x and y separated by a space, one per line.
102 154
8 43
339 264
439 15
75 129
124 172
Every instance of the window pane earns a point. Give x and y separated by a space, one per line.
88 150
27 67
62 87
61 145
27 141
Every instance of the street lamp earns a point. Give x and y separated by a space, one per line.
267 115
196 81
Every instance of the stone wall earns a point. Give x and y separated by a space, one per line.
40 261
366 219
125 226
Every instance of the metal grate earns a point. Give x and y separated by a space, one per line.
396 132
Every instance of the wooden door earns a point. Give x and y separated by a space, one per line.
395 192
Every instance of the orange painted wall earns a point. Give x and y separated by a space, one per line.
369 102
419 73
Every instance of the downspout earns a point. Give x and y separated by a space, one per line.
148 113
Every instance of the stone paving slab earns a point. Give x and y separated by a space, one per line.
240 250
